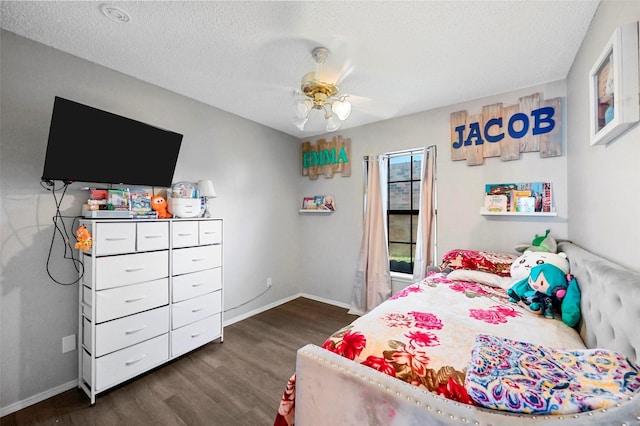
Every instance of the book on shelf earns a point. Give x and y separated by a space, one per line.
495 203
547 200
319 202
516 195
525 204
308 203
501 189
521 196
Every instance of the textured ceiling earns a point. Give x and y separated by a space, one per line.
396 58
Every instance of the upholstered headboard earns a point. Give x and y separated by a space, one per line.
610 301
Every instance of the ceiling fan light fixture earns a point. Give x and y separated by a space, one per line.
322 96
342 109
300 122
303 108
332 123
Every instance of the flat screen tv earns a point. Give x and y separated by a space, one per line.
87 144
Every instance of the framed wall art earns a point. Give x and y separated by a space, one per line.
614 86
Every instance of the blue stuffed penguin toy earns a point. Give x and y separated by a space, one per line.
548 289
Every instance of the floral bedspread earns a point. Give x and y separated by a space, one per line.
424 335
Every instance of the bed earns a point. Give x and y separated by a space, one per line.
458 351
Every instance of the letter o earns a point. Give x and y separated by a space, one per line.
525 125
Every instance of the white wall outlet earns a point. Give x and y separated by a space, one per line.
69 343
268 282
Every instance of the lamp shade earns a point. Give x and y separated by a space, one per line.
333 124
206 188
342 109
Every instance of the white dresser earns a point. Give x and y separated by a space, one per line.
151 291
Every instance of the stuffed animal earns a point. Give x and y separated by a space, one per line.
521 267
540 243
548 288
159 204
84 238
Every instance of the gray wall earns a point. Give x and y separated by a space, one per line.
251 167
256 172
603 204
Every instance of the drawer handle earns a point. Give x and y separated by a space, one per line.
197 284
153 236
116 238
196 310
198 260
135 299
136 330
133 361
140 268
185 235
210 232
196 334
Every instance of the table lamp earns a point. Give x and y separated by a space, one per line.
206 192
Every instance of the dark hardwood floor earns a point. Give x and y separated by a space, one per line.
238 382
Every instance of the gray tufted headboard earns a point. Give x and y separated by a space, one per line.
610 302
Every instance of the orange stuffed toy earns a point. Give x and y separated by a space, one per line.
84 238
159 204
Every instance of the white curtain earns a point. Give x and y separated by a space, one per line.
373 278
425 242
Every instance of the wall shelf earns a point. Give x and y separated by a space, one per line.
487 213
316 211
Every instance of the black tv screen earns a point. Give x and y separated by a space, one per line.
87 144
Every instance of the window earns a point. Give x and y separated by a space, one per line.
403 190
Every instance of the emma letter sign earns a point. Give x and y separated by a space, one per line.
506 131
326 158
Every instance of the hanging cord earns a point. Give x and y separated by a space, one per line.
60 229
248 301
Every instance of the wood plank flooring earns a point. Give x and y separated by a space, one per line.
238 382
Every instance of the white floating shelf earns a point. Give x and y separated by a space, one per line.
487 213
315 211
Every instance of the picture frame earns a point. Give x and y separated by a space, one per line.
614 86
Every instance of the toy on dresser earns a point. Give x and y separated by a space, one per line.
159 204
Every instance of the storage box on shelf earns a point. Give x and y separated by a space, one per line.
151 291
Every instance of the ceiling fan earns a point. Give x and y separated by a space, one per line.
321 95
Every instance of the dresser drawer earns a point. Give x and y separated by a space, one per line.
152 236
114 271
192 310
195 259
121 301
185 233
114 238
196 284
210 232
127 363
196 334
127 331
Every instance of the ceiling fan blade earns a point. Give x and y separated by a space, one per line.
346 70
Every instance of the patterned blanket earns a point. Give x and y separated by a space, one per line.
424 335
522 377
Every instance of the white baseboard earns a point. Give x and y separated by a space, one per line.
327 301
38 398
280 302
249 314
74 383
